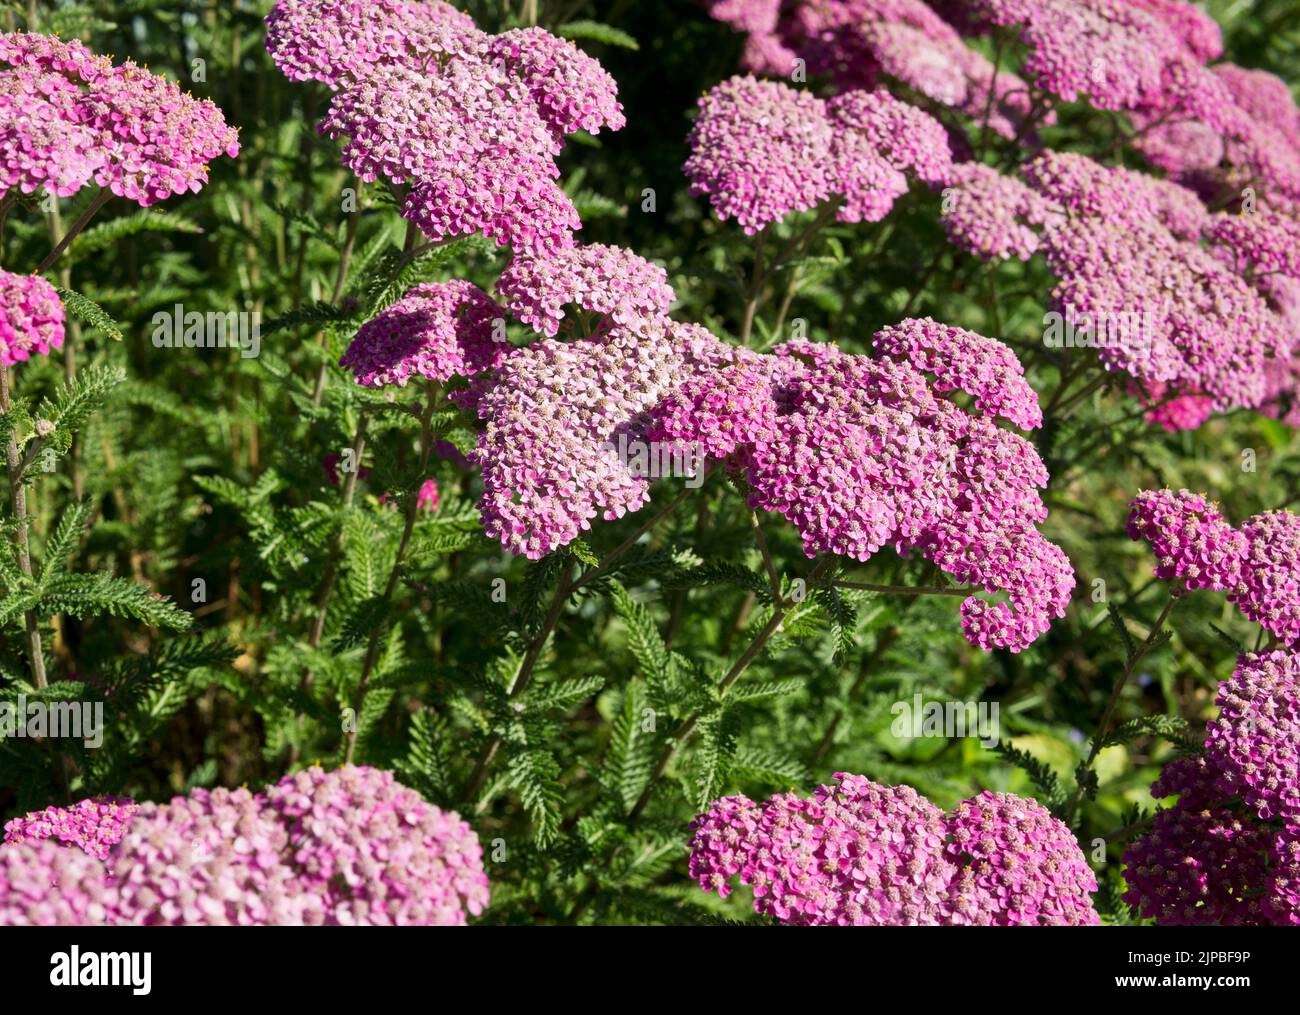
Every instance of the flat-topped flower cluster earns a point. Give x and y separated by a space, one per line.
350 846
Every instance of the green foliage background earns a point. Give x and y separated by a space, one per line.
205 466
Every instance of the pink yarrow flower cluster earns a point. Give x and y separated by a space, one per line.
860 453
68 117
860 854
467 124
95 826
31 318
1226 853
624 290
555 414
349 846
761 150
437 331
858 43
1257 563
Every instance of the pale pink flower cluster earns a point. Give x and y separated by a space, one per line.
555 412
861 453
31 318
68 117
860 854
761 150
345 847
465 124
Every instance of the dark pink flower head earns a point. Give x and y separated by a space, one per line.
861 854
1202 866
572 91
759 150
993 216
963 360
1089 189
556 413
1190 538
1199 32
78 116
1175 412
43 884
31 318
1255 741
349 846
94 825
1269 591
859 453
1110 51
43 144
339 41
437 331
625 290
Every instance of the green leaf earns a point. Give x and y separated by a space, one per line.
89 312
597 32
536 775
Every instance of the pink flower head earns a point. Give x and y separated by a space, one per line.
1190 538
993 216
627 291
1261 242
759 150
437 331
468 142
860 854
962 360
1269 591
31 318
94 826
1255 741
43 884
338 42
345 847
572 91
78 116
859 453
557 414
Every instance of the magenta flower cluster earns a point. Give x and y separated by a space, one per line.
1228 851
94 826
464 125
863 43
860 854
761 150
31 318
437 331
1257 563
68 117
350 846
860 453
